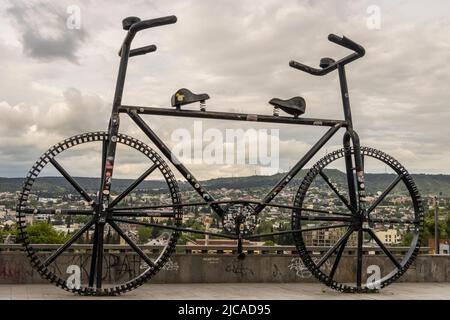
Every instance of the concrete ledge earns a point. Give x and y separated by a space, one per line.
216 268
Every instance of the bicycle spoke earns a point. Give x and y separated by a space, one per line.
132 244
102 169
99 256
68 243
152 213
327 218
227 202
95 243
93 258
162 226
324 211
383 247
72 181
334 247
161 206
389 220
296 231
385 193
337 260
340 196
359 258
57 211
302 209
133 186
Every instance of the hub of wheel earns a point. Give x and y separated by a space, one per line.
239 219
358 221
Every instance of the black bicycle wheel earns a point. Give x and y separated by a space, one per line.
350 251
112 256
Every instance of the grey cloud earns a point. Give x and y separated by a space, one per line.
77 113
33 18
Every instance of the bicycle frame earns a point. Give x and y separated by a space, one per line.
135 111
239 217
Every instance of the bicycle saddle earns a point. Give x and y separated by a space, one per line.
184 96
295 106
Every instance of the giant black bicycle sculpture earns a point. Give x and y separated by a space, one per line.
352 220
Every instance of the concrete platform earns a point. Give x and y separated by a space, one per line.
236 291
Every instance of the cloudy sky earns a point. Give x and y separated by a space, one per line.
57 82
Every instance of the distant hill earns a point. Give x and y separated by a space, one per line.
59 184
428 184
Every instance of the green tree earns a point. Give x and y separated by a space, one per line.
265 227
407 237
195 225
43 232
284 239
144 233
428 226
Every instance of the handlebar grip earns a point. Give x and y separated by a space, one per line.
334 38
146 24
305 68
140 51
347 43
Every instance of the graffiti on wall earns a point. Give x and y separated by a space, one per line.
239 268
296 265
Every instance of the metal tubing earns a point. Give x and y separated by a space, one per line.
303 161
349 170
230 116
172 158
133 186
345 96
359 259
436 226
93 266
99 256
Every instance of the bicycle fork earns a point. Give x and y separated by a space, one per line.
357 193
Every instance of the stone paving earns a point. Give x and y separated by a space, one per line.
236 291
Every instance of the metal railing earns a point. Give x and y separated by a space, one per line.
210 249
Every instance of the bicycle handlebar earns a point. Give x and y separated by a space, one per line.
308 69
142 25
347 43
359 52
140 51
146 24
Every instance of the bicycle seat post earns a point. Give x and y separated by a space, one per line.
345 96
